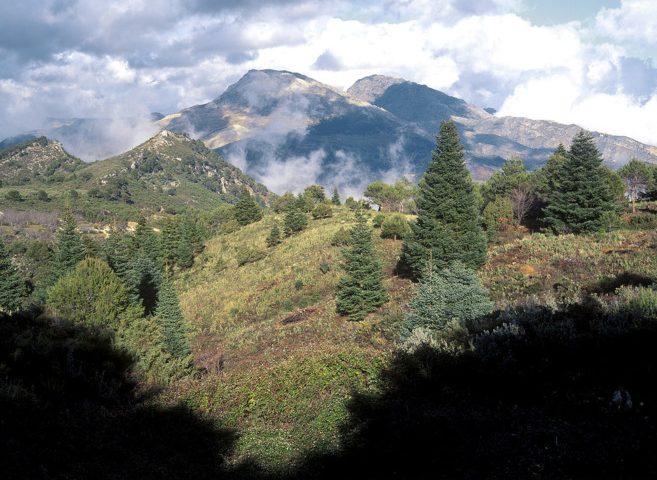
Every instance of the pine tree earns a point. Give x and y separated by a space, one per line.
582 196
172 321
454 293
335 199
69 248
295 220
246 209
169 239
361 289
447 227
12 287
274 237
146 242
546 179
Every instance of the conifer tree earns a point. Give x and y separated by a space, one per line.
547 177
246 209
447 227
335 199
360 291
454 293
172 321
12 287
169 239
69 248
295 220
146 242
582 197
93 295
274 237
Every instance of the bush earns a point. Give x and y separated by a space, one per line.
454 293
248 254
14 196
324 267
395 226
42 196
298 284
498 216
341 238
322 210
378 220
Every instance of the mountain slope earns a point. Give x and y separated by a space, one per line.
286 129
269 118
169 172
488 139
37 159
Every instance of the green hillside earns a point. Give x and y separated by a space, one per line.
168 173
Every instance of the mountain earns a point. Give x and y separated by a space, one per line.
36 159
94 138
280 125
287 130
272 119
488 139
169 172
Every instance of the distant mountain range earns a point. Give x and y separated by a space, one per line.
288 130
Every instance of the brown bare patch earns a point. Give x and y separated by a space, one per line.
299 316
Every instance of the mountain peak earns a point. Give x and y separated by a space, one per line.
369 88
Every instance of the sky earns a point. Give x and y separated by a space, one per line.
586 62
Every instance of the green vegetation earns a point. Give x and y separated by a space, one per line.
173 324
361 290
186 318
447 228
452 297
12 287
246 209
582 195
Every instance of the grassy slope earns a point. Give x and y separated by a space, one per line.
282 365
287 362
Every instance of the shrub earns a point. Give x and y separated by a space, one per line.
298 284
378 220
498 216
454 293
14 196
322 210
42 196
324 267
247 254
341 238
395 226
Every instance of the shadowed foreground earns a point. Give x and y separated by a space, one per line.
558 395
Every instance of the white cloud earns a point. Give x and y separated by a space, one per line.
634 20
165 55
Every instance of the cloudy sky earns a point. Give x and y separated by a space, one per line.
587 61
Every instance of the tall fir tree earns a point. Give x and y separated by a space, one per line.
360 291
69 247
12 286
546 179
169 239
246 209
171 319
582 198
448 227
335 199
146 243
